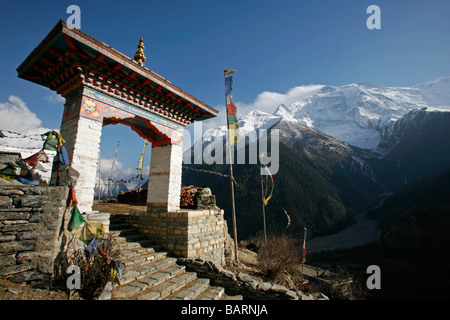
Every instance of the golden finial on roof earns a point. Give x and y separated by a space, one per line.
227 72
139 56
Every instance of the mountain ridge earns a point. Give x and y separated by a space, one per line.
355 176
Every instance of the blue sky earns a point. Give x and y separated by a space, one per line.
274 46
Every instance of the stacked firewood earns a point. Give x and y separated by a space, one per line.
187 197
133 196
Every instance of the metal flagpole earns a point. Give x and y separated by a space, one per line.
112 167
99 174
233 210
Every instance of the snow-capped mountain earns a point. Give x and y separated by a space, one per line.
113 189
352 144
435 93
366 130
360 114
248 126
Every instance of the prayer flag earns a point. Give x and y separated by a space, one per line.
228 85
39 156
53 140
141 159
232 122
63 157
72 197
304 247
75 220
92 247
91 230
266 199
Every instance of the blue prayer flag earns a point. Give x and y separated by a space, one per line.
228 85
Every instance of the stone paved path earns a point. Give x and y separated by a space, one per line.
150 272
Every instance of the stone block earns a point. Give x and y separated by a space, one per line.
7 260
7 237
13 269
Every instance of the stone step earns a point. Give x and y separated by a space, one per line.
137 245
193 291
136 237
212 293
119 226
227 297
145 284
149 267
150 274
140 259
123 232
133 250
167 288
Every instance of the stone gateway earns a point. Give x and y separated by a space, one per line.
101 87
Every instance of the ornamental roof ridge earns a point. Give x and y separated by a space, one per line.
63 28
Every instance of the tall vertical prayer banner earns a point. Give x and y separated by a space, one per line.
233 126
233 135
141 158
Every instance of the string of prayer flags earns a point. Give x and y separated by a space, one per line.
20 135
207 171
129 180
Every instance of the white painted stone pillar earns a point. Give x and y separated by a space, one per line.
164 185
82 136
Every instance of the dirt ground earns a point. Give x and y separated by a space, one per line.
117 208
15 291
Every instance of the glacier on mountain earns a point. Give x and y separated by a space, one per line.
360 114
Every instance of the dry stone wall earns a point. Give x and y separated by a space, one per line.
31 218
33 231
186 233
238 283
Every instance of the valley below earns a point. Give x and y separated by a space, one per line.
362 232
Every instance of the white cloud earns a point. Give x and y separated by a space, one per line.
15 116
27 127
266 101
55 98
119 171
106 165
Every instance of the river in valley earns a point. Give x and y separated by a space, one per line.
363 231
